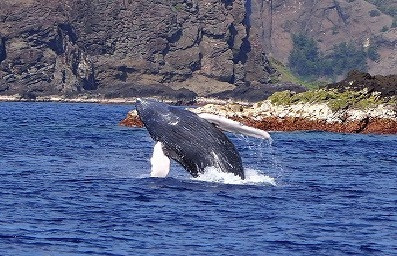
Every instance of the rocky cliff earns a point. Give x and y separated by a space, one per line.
329 22
126 48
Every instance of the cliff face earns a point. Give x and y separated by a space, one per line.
134 47
329 22
122 47
40 53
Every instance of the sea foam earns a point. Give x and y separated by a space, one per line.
252 177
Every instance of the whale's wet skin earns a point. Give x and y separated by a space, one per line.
75 183
193 141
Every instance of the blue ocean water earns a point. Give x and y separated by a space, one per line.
73 182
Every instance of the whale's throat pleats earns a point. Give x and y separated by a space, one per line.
160 163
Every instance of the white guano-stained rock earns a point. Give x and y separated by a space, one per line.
310 111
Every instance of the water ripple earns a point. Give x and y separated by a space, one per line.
74 183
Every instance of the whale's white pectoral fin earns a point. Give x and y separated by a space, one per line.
226 124
160 163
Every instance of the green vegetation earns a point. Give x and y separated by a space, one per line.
287 76
384 29
306 61
388 7
179 7
344 57
392 100
374 13
373 53
394 23
334 99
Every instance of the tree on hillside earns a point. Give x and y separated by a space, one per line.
345 57
306 60
305 56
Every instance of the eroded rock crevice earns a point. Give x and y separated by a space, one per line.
245 47
105 46
3 52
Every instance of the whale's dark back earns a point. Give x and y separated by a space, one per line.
189 139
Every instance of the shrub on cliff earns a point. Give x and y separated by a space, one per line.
307 61
304 58
374 13
394 23
373 53
388 7
385 6
345 57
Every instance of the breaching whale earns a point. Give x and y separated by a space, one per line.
196 141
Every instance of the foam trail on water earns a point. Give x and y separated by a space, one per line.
252 177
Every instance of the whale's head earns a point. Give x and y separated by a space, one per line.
149 109
157 116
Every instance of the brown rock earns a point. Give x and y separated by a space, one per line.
366 125
132 120
379 126
382 126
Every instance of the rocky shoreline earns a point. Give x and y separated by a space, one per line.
264 115
62 99
198 101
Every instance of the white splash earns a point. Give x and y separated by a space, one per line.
252 177
160 163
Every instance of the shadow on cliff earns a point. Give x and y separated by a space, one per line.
181 96
256 93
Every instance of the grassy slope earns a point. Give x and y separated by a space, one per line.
334 99
287 76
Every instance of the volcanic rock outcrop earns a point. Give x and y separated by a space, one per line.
381 119
386 86
122 47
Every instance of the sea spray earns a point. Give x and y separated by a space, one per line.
276 167
260 154
252 177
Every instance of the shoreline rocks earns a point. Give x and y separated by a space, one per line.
356 80
91 99
264 115
379 119
132 120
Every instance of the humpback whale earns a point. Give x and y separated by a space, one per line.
195 141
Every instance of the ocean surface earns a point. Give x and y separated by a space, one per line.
73 182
